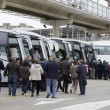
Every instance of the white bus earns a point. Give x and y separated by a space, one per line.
9 39
43 44
102 50
80 50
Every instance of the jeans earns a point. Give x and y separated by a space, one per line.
82 86
52 82
25 83
12 84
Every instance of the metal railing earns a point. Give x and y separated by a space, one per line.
88 6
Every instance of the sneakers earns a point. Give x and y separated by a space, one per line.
9 93
66 92
25 94
13 94
53 97
81 94
47 95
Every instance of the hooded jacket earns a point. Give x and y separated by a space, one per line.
35 72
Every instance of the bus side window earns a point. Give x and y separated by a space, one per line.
3 53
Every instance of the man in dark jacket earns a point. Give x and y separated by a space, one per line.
65 67
1 68
13 72
92 66
52 76
81 70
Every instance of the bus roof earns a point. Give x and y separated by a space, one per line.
101 43
8 31
29 33
62 39
80 41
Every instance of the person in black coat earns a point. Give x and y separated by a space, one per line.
81 70
65 67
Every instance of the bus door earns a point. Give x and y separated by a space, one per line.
77 52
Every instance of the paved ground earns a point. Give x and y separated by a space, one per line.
96 98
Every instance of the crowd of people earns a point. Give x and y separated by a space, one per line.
49 76
52 75
99 69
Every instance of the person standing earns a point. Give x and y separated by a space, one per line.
1 68
13 51
35 76
25 77
36 54
105 70
74 76
81 70
52 76
65 66
92 66
13 72
43 76
99 69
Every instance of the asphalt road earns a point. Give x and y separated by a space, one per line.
97 98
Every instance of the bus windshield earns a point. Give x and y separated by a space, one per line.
61 53
102 50
26 47
36 45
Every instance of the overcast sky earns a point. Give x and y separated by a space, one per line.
15 20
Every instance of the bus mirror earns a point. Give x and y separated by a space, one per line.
49 43
55 46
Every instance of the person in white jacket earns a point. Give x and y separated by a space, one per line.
35 76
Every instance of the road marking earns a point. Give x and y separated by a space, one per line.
50 101
87 106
